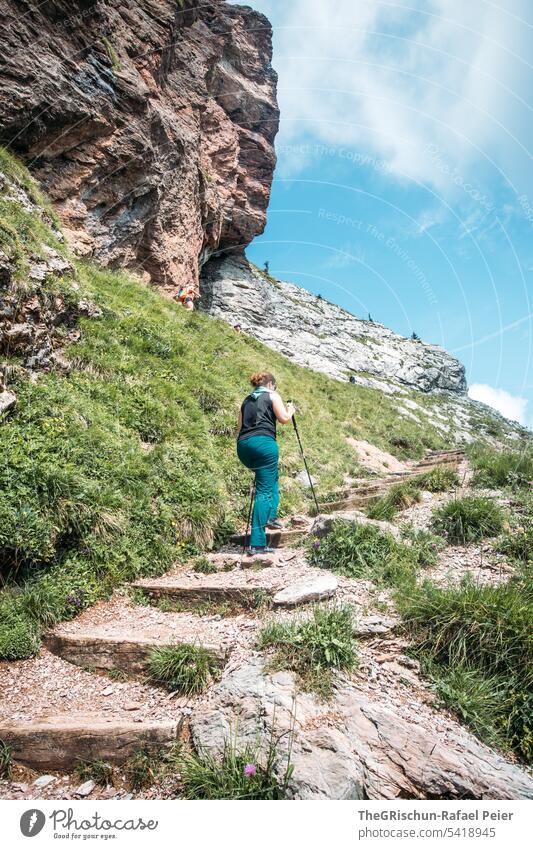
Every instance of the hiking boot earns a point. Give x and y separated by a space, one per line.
263 549
274 525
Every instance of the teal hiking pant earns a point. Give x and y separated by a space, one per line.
261 455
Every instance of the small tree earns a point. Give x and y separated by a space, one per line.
266 267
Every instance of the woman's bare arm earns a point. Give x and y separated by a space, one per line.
283 413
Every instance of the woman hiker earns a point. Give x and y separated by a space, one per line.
258 450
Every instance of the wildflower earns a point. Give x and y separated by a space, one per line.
250 770
316 545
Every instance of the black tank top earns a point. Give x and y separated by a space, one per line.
258 417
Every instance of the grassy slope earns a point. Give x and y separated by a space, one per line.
106 473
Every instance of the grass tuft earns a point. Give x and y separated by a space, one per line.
185 669
313 647
99 771
239 773
468 519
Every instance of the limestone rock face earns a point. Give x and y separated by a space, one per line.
366 752
323 336
150 124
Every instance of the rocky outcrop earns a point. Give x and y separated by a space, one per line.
39 300
321 335
354 747
149 123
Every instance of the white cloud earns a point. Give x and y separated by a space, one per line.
511 406
422 85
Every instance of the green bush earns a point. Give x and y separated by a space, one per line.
363 551
18 638
468 519
186 669
313 647
501 468
246 773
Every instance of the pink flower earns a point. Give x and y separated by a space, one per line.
249 770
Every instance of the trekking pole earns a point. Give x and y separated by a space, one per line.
252 498
305 462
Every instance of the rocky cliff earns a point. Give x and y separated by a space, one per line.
149 123
321 335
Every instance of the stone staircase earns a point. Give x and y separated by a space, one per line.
360 494
118 643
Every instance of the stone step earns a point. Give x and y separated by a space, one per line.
242 588
275 539
107 653
61 742
208 590
359 496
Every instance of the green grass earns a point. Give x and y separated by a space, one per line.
468 519
313 647
406 493
399 497
185 669
507 468
249 772
517 544
99 771
364 551
204 566
477 643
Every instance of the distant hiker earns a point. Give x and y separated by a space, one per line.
266 267
352 379
258 450
186 296
237 328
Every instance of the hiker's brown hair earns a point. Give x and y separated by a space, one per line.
261 378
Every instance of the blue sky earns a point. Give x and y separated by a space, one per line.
404 185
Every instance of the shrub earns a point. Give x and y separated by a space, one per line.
247 773
18 638
6 761
363 551
468 519
99 771
501 468
185 668
313 647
